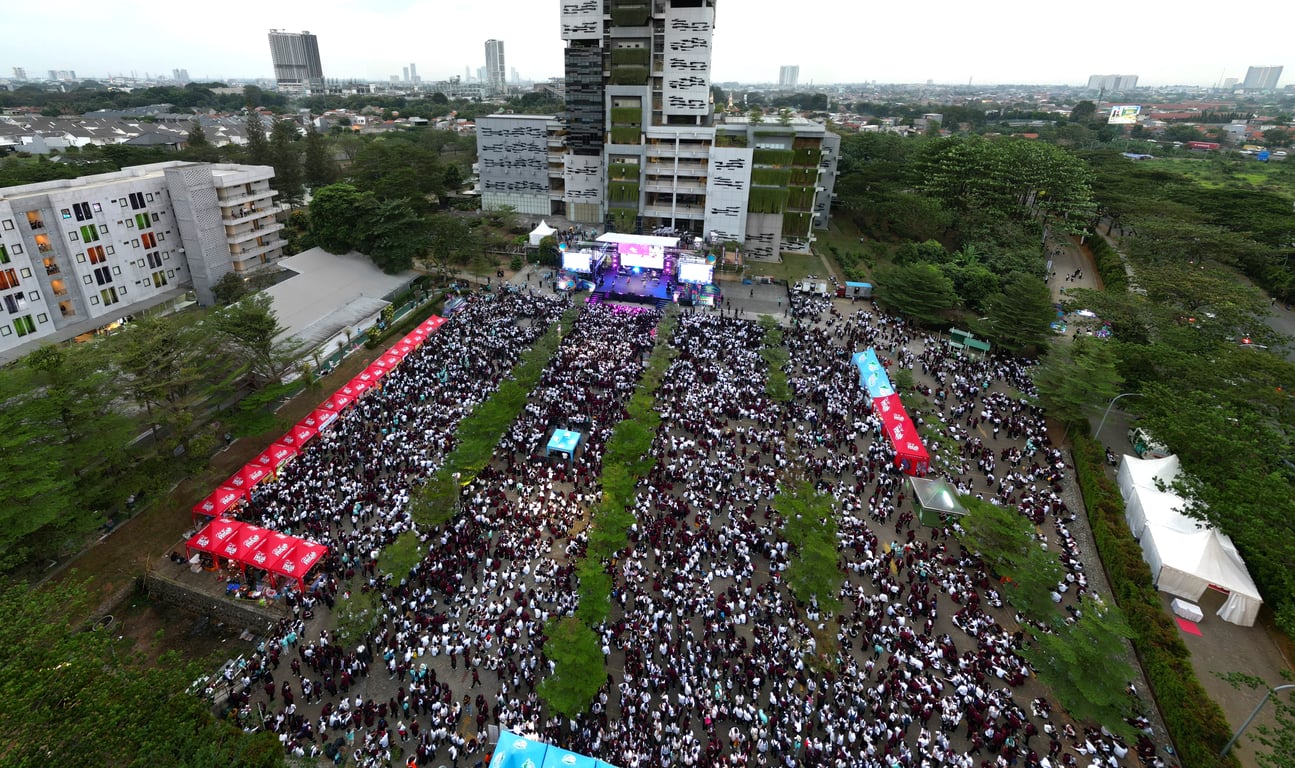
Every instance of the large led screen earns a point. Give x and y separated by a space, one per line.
577 262
696 273
645 256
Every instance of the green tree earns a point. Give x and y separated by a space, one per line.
920 292
1005 541
394 234
336 217
1084 665
229 288
250 332
809 525
285 156
1083 112
578 670
258 146
318 166
1019 318
78 697
452 240
1075 377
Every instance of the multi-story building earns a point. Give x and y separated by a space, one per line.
77 254
788 76
1112 83
1262 78
496 71
297 68
520 159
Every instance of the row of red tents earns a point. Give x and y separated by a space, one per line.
240 484
247 544
276 552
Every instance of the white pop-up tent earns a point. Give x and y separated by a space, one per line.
1186 556
541 231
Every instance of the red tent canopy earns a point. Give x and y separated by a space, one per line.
300 560
350 391
276 456
390 360
240 548
432 323
910 455
214 535
251 474
416 336
405 346
220 500
338 401
297 436
272 550
319 419
367 379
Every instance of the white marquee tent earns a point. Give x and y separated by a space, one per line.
541 231
1186 555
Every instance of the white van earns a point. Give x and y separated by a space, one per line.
1145 446
813 287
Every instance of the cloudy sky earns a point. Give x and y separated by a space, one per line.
990 41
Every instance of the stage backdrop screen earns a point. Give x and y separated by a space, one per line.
645 256
577 262
696 273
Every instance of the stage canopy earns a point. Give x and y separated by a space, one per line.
649 241
911 455
936 499
563 441
872 374
541 231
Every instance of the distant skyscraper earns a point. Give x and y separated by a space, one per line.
1112 83
53 74
495 69
413 73
19 73
180 75
296 62
788 76
1262 78
404 75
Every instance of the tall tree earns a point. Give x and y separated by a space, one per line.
1005 541
251 332
809 525
258 146
1075 377
285 156
319 167
918 291
578 670
1019 318
451 239
394 235
336 217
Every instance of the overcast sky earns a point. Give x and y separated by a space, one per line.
891 41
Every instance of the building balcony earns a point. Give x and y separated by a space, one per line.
669 185
244 215
246 234
247 254
242 199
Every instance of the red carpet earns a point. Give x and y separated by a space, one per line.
1188 626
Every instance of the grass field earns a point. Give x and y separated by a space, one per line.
794 266
1215 172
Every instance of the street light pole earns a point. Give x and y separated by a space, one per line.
1111 404
1253 715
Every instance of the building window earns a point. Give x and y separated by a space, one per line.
159 278
156 217
25 272
4 254
42 244
141 220
148 239
111 250
42 318
82 211
147 282
66 213
96 254
161 236
97 207
7 224
66 309
136 200
14 302
130 223
24 325
154 260
58 287
135 242
73 236
94 300
116 270
102 275
89 234
87 279
8 279
103 229
124 202
17 249
5 330
148 196
170 273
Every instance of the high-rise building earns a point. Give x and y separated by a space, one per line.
1262 78
76 254
496 72
180 75
788 76
404 75
413 74
1112 83
19 74
297 68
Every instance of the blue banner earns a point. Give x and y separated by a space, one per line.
872 375
513 751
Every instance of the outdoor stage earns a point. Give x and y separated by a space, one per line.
635 289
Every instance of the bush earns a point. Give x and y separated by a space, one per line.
1110 265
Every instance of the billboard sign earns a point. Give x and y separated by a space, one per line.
1124 115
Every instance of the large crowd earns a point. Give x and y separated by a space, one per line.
710 659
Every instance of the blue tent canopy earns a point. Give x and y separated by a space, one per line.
564 441
513 751
872 375
557 757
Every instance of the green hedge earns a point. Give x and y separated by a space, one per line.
627 116
797 224
636 56
629 75
730 140
770 177
623 171
622 134
631 16
800 198
767 200
622 219
804 177
1195 721
623 192
1110 265
807 158
774 157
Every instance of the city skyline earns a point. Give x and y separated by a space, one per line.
1000 42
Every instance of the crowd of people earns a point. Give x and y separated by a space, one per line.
710 659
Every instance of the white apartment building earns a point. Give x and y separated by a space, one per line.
79 254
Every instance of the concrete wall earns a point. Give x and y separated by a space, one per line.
237 613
